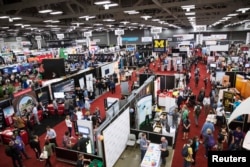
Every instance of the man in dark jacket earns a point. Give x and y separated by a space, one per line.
14 153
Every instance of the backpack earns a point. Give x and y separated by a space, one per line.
198 110
184 151
211 141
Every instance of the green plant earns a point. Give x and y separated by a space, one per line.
11 89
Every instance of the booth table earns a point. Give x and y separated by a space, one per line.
152 157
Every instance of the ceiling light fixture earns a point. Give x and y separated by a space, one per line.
146 17
4 17
243 10
107 6
45 11
56 12
188 7
108 20
102 2
156 20
190 13
87 17
124 22
232 15
10 20
130 12
16 18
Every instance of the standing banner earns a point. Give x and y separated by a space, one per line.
228 99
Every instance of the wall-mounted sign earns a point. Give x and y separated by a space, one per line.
156 30
119 32
159 45
87 34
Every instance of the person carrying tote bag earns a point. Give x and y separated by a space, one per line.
48 148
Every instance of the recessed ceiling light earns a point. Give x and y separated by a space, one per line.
190 13
102 2
56 12
233 14
45 11
4 17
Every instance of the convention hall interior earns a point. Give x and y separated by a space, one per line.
123 83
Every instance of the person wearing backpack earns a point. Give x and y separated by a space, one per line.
209 141
197 112
187 153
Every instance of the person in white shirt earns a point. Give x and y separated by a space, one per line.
79 114
51 136
35 113
220 113
68 124
206 104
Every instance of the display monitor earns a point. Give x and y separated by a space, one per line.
84 130
213 65
247 65
64 86
8 111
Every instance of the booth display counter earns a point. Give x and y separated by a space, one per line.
6 135
152 157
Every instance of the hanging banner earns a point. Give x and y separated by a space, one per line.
248 38
247 26
156 30
119 32
39 43
159 45
199 38
119 40
228 99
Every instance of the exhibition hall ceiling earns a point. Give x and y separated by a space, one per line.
20 17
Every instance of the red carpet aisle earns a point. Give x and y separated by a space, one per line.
60 129
201 161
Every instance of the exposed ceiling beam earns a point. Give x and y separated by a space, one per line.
29 4
70 8
80 5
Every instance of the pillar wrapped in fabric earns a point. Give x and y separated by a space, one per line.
246 92
243 87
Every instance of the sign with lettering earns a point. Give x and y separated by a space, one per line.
159 45
200 28
18 39
228 99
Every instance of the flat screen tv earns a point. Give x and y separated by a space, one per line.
65 86
213 65
84 130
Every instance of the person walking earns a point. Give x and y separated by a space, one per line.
164 150
68 124
48 147
35 145
209 141
206 104
186 128
14 153
55 107
143 145
197 112
189 158
51 136
81 160
19 144
195 146
35 114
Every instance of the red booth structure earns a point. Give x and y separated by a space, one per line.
40 117
60 109
6 135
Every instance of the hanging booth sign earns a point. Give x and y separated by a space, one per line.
87 34
119 32
159 45
228 99
156 30
60 36
200 28
247 26
18 39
